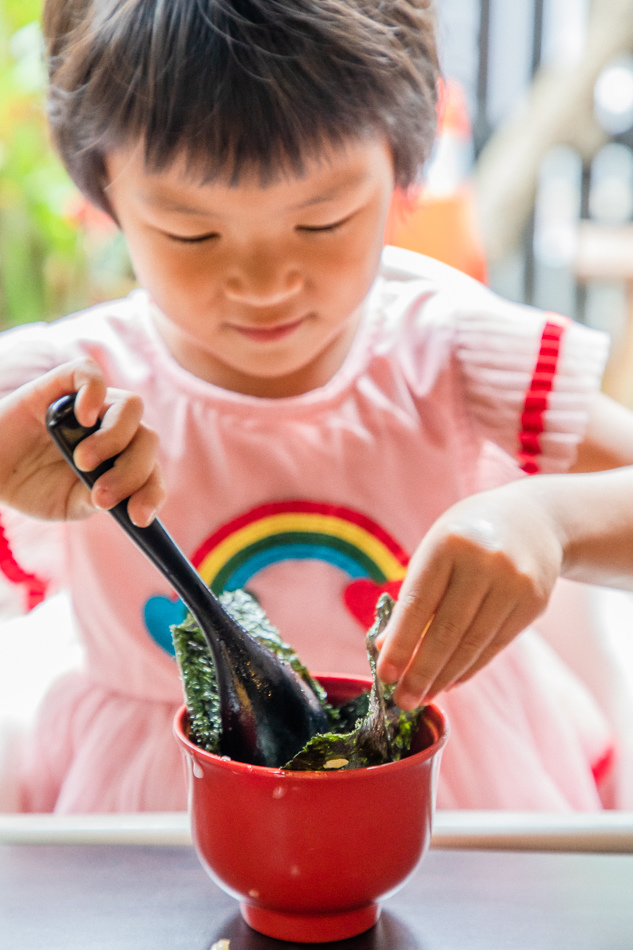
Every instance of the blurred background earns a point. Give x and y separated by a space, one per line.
549 91
530 188
56 254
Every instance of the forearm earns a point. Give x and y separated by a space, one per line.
592 515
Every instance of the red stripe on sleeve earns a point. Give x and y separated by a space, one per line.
537 396
35 587
604 766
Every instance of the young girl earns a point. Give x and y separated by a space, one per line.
326 411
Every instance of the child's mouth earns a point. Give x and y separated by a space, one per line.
268 334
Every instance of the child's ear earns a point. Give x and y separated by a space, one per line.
105 210
90 215
402 205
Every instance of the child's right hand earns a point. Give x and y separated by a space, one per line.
35 479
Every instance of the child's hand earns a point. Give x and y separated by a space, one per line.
481 575
35 479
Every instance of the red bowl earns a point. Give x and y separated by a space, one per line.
309 855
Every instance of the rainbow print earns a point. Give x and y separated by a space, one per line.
299 530
292 530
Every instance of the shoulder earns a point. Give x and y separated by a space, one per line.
109 332
406 274
123 320
417 296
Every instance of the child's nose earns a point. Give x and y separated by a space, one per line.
263 283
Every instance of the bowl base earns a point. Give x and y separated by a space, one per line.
310 928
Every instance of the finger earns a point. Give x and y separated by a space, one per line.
419 597
454 616
82 376
132 470
516 623
485 628
79 504
120 422
145 504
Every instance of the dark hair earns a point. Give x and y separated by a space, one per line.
237 84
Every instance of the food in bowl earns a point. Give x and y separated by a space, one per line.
367 730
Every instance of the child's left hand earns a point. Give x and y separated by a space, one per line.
482 574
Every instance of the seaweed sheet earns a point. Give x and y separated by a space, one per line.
368 730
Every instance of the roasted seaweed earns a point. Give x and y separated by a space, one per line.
383 734
369 730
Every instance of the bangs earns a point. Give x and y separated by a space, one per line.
234 86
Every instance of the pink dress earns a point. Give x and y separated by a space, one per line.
315 503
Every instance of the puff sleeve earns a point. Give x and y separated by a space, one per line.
529 378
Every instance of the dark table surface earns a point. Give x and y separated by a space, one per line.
102 897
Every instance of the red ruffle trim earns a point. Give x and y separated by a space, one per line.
537 395
35 587
603 767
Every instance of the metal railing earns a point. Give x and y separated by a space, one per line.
484 128
605 832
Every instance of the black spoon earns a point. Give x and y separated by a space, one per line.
268 712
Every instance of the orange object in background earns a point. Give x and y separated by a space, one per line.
437 218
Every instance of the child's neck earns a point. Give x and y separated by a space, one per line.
311 376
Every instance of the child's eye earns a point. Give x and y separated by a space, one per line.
196 239
324 227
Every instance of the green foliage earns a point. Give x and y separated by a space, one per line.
56 254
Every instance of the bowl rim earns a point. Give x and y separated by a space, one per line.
233 765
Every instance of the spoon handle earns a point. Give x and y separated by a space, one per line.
155 542
268 712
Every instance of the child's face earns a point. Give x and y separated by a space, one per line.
259 288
